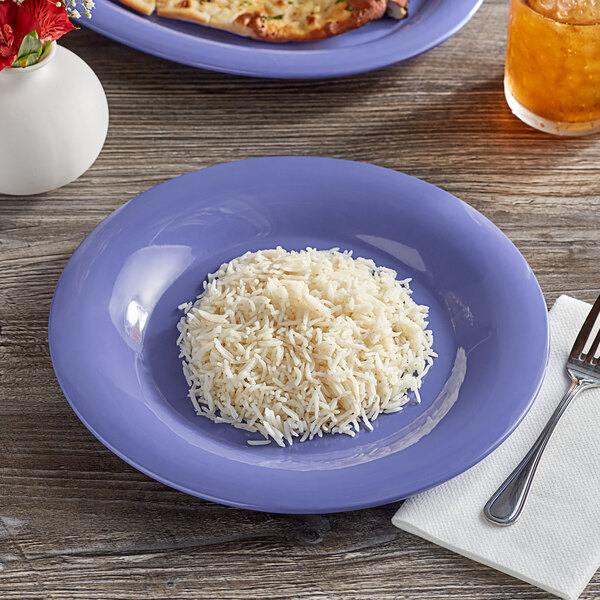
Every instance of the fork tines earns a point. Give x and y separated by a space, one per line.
584 334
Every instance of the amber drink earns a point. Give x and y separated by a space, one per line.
552 77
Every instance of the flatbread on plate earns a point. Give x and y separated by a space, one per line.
276 20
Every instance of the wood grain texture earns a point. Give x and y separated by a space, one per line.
78 523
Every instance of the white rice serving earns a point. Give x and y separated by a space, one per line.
297 344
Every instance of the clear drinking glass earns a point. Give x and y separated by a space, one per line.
552 76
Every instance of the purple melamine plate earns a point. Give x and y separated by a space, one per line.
378 44
112 330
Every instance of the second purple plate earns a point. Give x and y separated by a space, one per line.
378 44
113 322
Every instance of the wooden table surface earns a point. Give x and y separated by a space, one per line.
76 522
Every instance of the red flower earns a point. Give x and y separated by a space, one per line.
15 24
53 21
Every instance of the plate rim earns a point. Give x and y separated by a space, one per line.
340 507
200 52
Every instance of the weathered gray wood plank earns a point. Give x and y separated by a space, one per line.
78 523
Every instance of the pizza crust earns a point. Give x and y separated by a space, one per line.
276 20
146 7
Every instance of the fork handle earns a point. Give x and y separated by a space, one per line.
505 506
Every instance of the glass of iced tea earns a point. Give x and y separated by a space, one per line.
552 77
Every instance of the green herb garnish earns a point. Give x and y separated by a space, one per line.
275 18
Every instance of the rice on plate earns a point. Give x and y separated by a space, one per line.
301 343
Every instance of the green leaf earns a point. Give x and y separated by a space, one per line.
275 18
29 59
31 50
31 45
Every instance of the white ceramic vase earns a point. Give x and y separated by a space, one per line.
53 123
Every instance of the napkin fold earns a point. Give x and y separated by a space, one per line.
555 545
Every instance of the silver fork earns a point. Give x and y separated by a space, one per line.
507 503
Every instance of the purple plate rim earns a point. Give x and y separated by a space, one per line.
376 501
251 59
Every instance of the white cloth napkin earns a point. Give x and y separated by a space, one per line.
555 544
